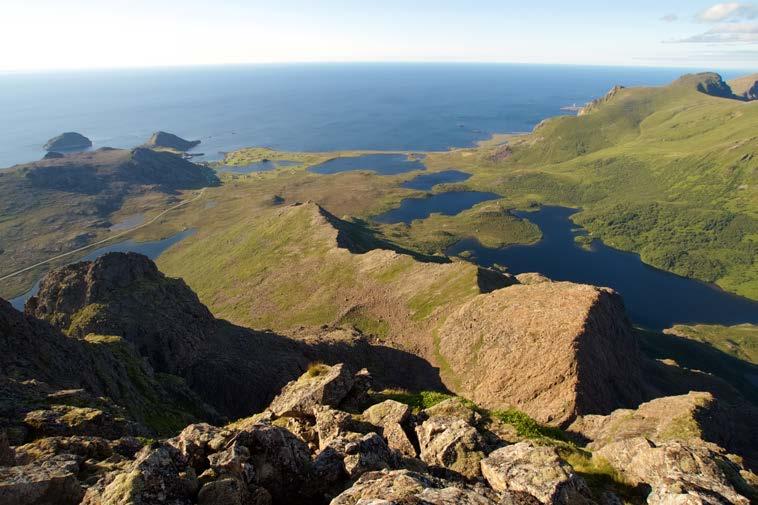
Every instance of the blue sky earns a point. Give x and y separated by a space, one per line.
42 34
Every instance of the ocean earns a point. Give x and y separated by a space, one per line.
305 107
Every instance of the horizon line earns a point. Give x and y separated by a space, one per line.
40 70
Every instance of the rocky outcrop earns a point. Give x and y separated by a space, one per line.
451 443
594 104
538 471
554 350
67 141
51 481
692 418
259 460
322 385
678 473
170 141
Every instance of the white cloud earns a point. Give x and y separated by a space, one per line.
728 11
727 33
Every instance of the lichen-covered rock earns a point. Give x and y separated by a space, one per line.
330 424
197 441
358 396
233 461
370 453
677 473
404 486
50 481
65 420
86 447
322 385
232 491
692 417
388 411
455 408
157 475
281 461
451 443
398 440
536 470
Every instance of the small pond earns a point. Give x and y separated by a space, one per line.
449 203
382 164
426 182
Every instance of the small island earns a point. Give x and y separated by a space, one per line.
68 141
165 140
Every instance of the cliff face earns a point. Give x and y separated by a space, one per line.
590 107
553 350
68 140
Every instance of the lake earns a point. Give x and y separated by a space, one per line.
151 249
382 164
449 204
654 298
299 107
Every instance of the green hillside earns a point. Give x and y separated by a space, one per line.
668 172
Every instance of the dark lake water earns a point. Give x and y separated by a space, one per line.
654 299
151 249
259 166
383 164
449 204
426 182
299 107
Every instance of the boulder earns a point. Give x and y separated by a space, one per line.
678 473
157 475
321 385
404 486
388 411
197 441
281 461
398 440
330 424
50 481
96 448
302 428
451 443
65 420
554 350
370 453
233 461
232 491
358 397
67 141
455 408
536 470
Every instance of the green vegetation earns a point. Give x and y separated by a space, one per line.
739 341
316 369
667 172
418 401
491 223
526 426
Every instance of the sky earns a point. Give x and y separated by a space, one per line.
91 34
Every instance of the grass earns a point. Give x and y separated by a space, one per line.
669 173
740 341
417 400
526 426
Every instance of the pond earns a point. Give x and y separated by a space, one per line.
151 249
426 182
654 299
449 203
382 164
128 222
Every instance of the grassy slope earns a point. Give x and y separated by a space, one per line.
668 172
740 341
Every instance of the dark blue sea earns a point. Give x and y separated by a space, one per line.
309 107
